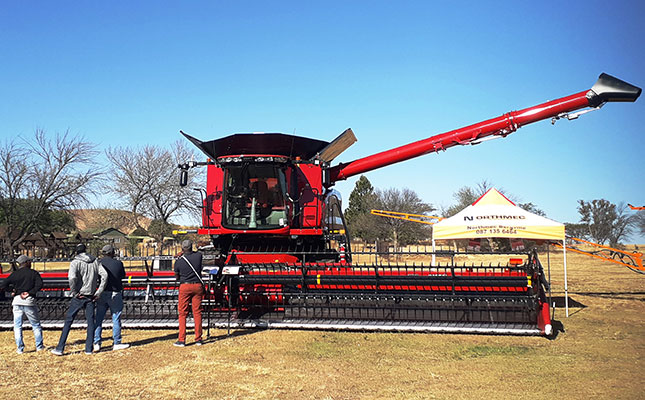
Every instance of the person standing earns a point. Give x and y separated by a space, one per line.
112 298
23 284
87 280
188 271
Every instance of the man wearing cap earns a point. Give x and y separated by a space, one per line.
188 271
87 280
23 284
112 298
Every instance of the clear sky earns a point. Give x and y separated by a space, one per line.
136 72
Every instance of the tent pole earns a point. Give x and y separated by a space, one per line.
566 287
433 250
548 263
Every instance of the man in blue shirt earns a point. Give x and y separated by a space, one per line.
112 298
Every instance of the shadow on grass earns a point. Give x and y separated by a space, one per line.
154 339
573 303
173 335
637 296
235 333
557 327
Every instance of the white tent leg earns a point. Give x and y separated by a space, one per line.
566 287
433 256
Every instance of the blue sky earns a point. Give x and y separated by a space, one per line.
132 73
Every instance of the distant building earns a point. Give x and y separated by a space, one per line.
113 236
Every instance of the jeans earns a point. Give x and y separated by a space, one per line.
113 301
31 312
190 295
75 306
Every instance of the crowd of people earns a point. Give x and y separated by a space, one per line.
95 287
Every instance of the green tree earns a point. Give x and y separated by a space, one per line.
159 229
580 231
132 246
362 200
605 221
50 220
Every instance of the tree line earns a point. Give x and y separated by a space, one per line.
44 176
600 220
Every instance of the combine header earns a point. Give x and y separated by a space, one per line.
281 254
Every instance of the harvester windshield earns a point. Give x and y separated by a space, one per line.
254 196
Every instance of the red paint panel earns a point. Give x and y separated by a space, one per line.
310 195
212 211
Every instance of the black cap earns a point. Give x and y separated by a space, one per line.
107 249
80 248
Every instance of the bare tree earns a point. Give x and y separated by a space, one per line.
147 180
407 201
43 174
466 195
639 221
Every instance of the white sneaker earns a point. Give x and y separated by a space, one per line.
57 352
120 346
18 351
97 347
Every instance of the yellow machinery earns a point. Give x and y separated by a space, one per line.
422 219
630 259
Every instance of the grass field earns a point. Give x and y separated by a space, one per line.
599 355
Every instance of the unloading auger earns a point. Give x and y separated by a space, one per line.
281 255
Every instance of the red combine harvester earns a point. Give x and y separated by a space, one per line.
281 253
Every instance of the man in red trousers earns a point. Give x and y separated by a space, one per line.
188 271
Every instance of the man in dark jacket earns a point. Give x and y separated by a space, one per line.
23 285
188 271
87 279
112 298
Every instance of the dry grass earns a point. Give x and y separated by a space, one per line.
600 355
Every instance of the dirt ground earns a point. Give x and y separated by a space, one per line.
599 355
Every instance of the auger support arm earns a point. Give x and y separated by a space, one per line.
606 89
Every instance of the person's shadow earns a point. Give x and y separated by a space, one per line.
209 339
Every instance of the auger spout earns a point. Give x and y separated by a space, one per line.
606 89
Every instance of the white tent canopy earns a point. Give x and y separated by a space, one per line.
495 216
